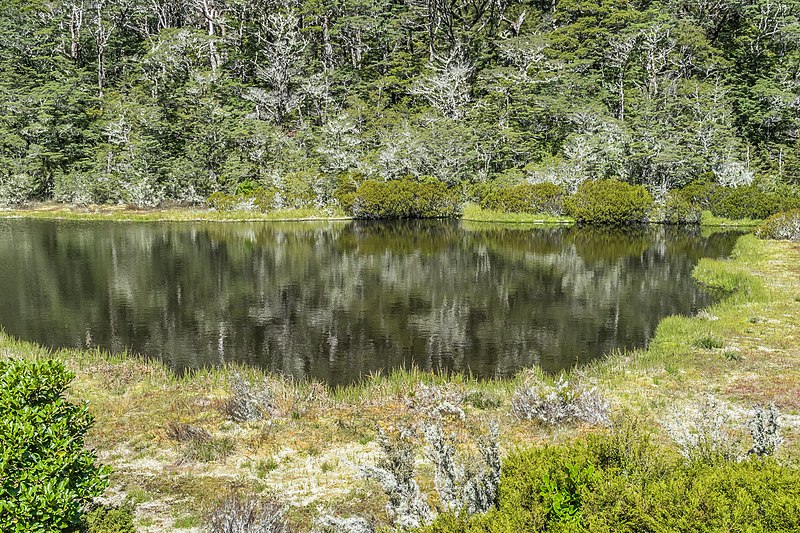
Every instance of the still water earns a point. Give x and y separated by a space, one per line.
335 301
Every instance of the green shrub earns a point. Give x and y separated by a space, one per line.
221 201
622 482
746 202
47 474
702 192
678 210
110 520
783 226
403 199
609 202
525 198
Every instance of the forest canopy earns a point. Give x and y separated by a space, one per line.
149 101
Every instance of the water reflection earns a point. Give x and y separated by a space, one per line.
338 300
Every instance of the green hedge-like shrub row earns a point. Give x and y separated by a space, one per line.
783 226
737 203
623 483
609 202
258 199
403 199
536 198
46 474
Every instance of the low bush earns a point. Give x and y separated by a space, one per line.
745 202
403 199
250 199
110 520
623 482
783 226
562 403
609 202
536 198
678 210
47 476
247 514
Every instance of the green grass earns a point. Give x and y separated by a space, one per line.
474 213
708 219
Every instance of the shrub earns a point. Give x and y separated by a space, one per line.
525 198
702 192
403 199
47 474
745 202
110 520
581 487
248 514
609 202
222 202
765 431
702 432
678 210
564 402
783 226
248 402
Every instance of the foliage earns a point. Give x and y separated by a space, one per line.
702 432
142 102
765 431
248 401
677 210
747 202
239 513
403 199
622 481
783 226
609 202
544 198
110 520
565 402
463 490
47 474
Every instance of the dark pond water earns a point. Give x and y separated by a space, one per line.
337 301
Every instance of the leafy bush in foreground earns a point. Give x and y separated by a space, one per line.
623 482
47 474
610 202
404 199
783 226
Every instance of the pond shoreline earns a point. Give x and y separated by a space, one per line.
472 213
307 452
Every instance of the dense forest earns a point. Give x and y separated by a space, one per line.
150 101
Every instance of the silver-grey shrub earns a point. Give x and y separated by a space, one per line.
765 430
702 431
248 401
407 506
564 402
248 514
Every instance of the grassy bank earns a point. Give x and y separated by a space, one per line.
745 350
470 213
123 214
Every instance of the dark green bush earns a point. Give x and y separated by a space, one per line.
525 198
221 201
110 520
609 202
623 483
783 226
404 199
746 202
678 210
47 474
702 192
